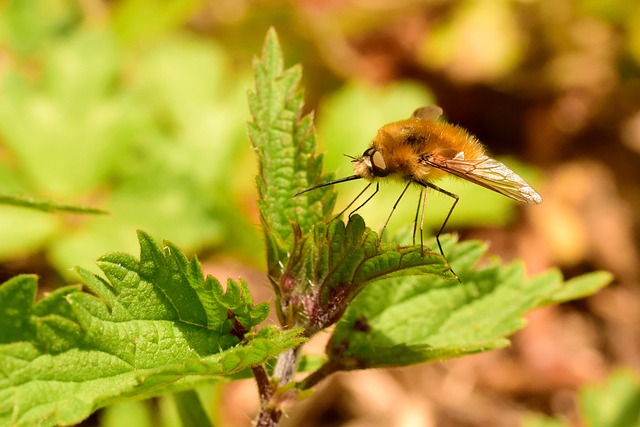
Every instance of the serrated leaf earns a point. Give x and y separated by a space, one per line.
154 325
412 320
285 143
238 301
330 266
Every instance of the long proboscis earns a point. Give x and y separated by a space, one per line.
326 184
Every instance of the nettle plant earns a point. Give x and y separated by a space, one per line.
154 324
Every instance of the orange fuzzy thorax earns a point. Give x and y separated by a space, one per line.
403 143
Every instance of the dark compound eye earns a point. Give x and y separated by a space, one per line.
376 160
368 152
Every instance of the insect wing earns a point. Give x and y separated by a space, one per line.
488 173
430 112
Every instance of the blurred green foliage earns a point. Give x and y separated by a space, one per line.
162 413
154 133
133 107
539 420
134 413
479 41
615 403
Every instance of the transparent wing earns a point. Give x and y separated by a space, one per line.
430 112
488 173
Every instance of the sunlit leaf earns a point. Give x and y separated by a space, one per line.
154 325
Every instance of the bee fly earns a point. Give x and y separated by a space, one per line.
421 150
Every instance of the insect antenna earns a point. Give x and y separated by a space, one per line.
326 184
337 181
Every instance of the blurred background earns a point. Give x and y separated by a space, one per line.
139 107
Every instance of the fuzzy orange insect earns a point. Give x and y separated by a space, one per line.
420 150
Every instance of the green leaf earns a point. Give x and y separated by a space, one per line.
154 325
190 409
285 143
582 286
45 205
420 319
615 403
136 413
330 266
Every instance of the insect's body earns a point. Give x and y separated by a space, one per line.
407 144
421 150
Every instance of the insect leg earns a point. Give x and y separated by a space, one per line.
415 220
424 207
393 209
366 201
354 200
444 223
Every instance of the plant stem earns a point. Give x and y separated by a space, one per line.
286 365
270 411
316 376
269 415
264 385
